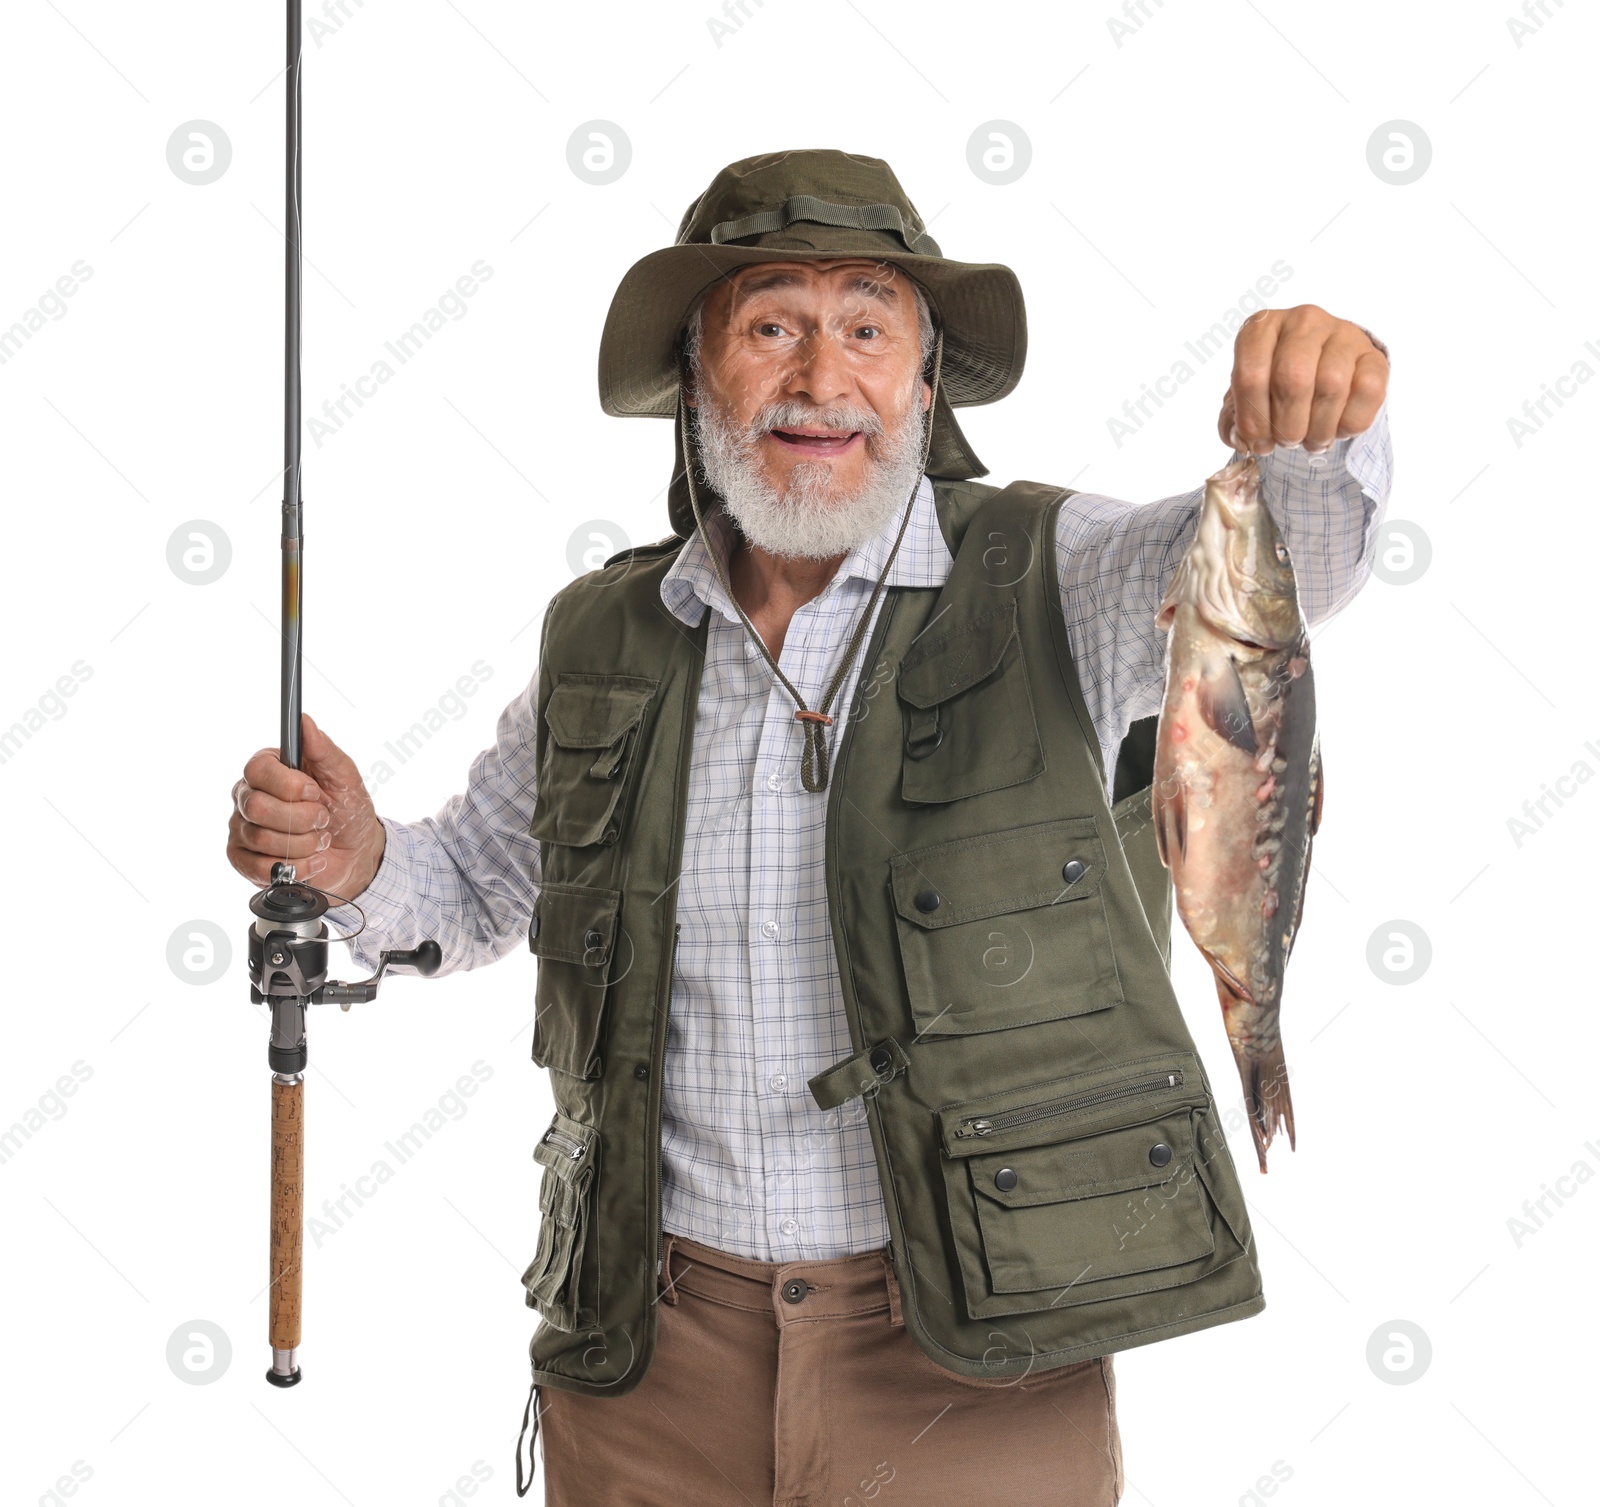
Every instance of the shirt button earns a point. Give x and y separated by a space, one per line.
778 1081
769 929
789 1226
774 782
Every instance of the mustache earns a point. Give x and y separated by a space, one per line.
788 414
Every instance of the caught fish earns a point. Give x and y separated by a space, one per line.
1237 793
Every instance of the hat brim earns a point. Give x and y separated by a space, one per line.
978 304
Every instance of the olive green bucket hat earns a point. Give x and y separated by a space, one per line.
799 206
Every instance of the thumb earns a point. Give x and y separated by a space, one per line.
328 764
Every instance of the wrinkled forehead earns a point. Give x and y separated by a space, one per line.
852 279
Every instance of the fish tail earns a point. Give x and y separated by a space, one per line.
1266 1096
1263 1073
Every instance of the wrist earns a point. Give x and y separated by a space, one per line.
377 845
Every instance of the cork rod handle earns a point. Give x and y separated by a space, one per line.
288 1215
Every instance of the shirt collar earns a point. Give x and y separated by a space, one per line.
690 584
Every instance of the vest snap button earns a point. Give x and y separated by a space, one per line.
1160 1154
794 1291
642 1071
927 901
1072 871
882 1059
1005 1179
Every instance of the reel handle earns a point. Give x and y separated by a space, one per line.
425 958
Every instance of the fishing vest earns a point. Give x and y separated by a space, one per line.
1053 1168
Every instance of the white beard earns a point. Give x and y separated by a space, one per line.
810 521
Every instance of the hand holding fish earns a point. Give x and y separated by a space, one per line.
1301 377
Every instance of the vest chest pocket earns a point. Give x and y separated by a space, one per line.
1006 929
967 711
592 726
573 933
1089 1190
567 1152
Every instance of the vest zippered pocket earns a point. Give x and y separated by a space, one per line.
553 1281
574 1149
1026 1115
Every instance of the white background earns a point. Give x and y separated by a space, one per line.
1167 174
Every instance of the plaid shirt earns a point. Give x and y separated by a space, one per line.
749 1163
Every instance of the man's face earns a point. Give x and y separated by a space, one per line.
810 375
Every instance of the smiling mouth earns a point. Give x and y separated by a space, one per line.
815 441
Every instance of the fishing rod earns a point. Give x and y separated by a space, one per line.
288 941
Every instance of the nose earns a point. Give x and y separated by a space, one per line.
817 370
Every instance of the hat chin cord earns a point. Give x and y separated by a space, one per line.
814 755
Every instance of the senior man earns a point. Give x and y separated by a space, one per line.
878 1128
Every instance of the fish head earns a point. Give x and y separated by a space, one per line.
1238 574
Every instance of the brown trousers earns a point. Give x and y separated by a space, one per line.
795 1384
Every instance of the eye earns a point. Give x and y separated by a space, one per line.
870 329
766 325
1282 552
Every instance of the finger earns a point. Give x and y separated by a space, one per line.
1225 422
1295 359
1330 393
257 868
281 844
1368 384
266 771
1252 371
266 810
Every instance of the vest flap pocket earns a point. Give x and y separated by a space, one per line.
1005 929
1050 863
945 664
1074 1215
573 923
594 711
574 933
567 1151
967 711
1089 1189
592 726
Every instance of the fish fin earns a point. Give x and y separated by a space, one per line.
1265 1079
1311 831
1230 989
1225 708
1316 788
1171 819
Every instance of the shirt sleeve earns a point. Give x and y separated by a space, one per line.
467 877
1115 559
